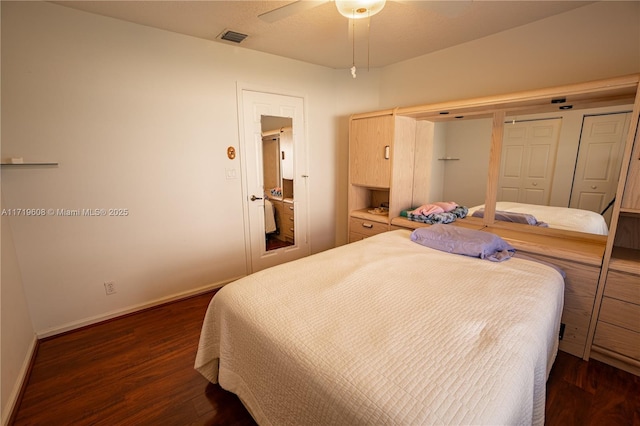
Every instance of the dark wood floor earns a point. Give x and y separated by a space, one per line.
138 370
275 243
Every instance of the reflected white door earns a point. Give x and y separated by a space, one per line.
528 160
599 159
255 105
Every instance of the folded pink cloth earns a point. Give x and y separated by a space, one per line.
438 207
447 206
428 209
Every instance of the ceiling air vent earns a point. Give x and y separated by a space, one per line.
232 36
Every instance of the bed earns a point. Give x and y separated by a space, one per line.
556 217
387 331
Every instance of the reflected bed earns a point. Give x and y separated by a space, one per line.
556 217
386 331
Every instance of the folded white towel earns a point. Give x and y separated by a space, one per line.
269 219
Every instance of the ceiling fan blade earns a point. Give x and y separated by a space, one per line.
290 9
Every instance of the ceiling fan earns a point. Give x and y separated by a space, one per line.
355 9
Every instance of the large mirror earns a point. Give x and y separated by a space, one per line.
454 161
569 158
549 161
277 167
549 157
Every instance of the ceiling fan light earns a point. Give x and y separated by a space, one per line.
358 9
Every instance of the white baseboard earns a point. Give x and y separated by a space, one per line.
12 400
114 314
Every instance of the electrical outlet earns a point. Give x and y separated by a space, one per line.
109 287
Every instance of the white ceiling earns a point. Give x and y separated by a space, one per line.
320 35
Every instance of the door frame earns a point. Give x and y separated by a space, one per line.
304 237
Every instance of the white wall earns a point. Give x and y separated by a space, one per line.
465 180
17 336
592 42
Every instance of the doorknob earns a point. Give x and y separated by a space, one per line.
253 198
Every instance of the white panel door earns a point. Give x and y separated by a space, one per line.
528 160
599 159
255 105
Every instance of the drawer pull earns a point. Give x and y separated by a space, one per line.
367 225
290 207
386 152
291 229
291 219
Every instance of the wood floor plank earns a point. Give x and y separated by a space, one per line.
138 370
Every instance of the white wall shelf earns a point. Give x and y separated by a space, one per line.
29 164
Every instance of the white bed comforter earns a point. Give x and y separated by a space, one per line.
556 217
386 331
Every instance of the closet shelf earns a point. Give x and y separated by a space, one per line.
625 260
629 212
31 163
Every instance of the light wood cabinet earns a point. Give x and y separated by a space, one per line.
285 219
370 144
580 260
288 221
601 310
580 284
381 159
616 334
363 228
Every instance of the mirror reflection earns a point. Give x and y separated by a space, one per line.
465 160
560 170
457 163
277 166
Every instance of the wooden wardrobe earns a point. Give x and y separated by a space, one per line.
389 156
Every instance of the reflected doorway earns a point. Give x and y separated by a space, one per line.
278 181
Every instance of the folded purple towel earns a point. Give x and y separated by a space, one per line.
468 242
505 216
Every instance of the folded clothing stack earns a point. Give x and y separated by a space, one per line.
276 192
438 212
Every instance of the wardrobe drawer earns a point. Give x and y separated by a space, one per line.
579 295
623 287
288 209
617 339
367 227
287 227
620 313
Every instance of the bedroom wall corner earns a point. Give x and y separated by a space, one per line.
17 336
18 340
